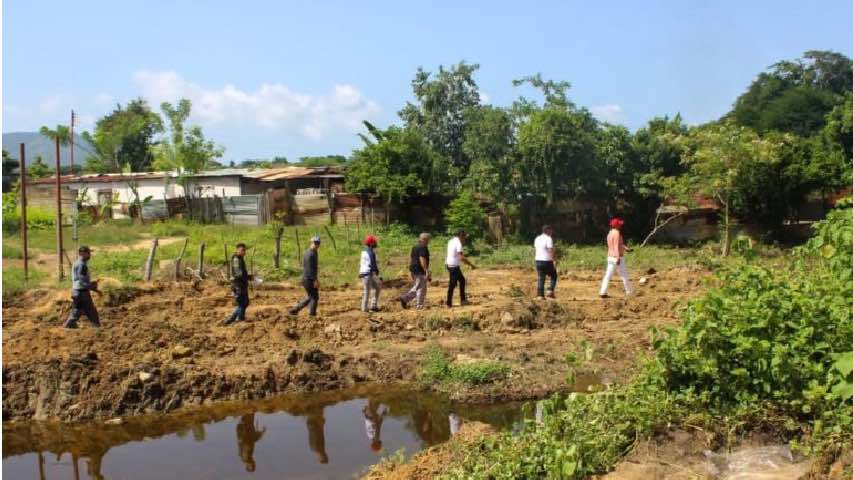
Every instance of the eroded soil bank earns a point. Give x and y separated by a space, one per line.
163 347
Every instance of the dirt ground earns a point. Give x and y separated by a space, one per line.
163 346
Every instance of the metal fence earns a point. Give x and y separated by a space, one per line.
239 210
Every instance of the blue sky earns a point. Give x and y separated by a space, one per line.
296 78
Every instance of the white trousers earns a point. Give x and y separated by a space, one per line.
370 282
623 273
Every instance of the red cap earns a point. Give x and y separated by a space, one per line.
371 241
616 222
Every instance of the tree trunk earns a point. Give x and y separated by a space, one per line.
201 260
149 263
180 259
727 233
279 231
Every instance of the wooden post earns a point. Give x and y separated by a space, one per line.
23 185
346 228
201 260
149 263
298 243
332 237
180 259
60 270
227 263
279 231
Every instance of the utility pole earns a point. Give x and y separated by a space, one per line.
71 139
24 213
60 270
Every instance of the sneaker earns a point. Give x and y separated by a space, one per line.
228 321
603 295
550 294
403 303
293 311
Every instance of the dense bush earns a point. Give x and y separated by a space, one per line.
465 213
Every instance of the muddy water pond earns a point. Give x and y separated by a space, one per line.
321 436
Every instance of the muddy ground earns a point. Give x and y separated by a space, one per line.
162 346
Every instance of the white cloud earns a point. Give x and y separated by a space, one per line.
611 113
273 105
484 97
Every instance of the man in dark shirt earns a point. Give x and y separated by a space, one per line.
81 299
239 284
310 279
419 268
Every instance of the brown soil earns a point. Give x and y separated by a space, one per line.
162 346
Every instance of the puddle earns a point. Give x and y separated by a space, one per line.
321 436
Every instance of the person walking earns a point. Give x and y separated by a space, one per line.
368 272
419 268
615 258
81 285
455 259
544 258
310 279
239 284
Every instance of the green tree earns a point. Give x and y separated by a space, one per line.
391 163
439 115
490 144
723 161
558 153
795 96
465 213
322 161
61 132
186 150
39 169
125 136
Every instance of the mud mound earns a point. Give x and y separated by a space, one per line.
163 345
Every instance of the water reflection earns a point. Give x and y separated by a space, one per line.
270 437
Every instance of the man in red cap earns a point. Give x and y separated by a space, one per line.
615 258
368 272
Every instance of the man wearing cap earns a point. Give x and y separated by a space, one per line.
368 272
239 284
615 258
419 268
81 285
455 259
310 279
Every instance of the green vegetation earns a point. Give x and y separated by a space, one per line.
465 213
13 279
763 349
437 368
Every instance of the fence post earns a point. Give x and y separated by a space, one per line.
297 249
329 233
201 260
180 259
60 272
23 184
279 231
346 228
149 263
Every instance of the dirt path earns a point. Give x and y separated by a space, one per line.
163 346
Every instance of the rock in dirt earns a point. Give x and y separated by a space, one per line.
114 421
332 329
644 280
181 351
145 376
315 356
293 357
291 334
507 320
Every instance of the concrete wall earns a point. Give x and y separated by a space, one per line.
216 186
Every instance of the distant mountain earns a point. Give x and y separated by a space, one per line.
37 144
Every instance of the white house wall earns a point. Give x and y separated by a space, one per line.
216 186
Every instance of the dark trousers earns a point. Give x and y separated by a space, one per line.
545 268
311 300
456 278
241 299
82 304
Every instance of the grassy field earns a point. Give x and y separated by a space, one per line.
122 247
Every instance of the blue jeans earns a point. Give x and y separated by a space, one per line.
241 299
545 268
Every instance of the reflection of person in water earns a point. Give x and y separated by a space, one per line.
247 436
316 423
373 423
455 423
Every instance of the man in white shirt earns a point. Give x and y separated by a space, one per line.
455 259
544 246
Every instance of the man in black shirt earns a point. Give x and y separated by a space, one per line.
310 279
239 284
419 268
